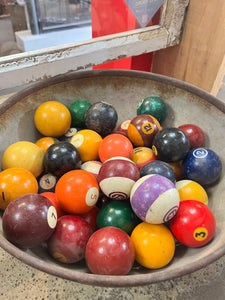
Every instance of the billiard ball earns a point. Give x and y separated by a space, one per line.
77 191
110 251
52 118
60 158
46 142
68 135
25 155
118 214
115 145
29 220
87 143
154 199
52 197
142 130
142 155
177 168
46 182
91 217
68 242
158 167
195 135
92 167
154 245
117 176
77 110
123 127
101 117
194 224
154 106
191 190
171 144
202 165
15 182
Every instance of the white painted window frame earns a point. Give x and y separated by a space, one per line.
23 68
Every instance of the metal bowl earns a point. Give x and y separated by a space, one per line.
124 90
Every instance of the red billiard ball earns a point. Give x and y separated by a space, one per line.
195 134
29 220
110 251
68 242
142 130
115 145
117 176
194 224
123 127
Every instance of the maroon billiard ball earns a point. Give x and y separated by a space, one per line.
142 130
110 251
195 134
68 242
117 176
29 220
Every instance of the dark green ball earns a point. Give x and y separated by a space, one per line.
154 106
118 214
77 110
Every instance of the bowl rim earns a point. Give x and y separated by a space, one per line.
102 280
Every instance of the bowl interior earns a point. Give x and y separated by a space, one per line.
124 90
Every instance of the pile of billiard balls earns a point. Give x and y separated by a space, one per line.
107 194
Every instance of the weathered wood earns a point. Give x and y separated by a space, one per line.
199 58
32 66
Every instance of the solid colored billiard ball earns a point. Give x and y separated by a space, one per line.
142 130
195 135
93 167
154 106
117 176
46 142
202 165
60 158
158 167
77 191
115 145
52 118
68 242
110 251
118 214
194 224
91 217
154 245
52 197
15 182
177 168
101 117
25 155
191 190
29 220
171 144
142 155
87 143
77 110
46 182
154 199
